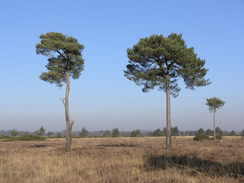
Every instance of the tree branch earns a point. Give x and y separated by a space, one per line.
61 54
63 100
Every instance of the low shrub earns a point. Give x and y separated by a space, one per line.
26 138
218 137
201 137
4 137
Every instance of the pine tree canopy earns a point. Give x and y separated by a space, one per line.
158 61
64 54
214 103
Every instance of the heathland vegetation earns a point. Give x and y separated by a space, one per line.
156 61
123 159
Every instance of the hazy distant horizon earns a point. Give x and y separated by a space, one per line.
102 96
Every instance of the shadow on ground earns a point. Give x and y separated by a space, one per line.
38 145
194 165
116 145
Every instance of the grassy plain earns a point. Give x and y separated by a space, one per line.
122 160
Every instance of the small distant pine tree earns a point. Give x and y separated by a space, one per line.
201 131
214 104
209 132
232 133
135 133
41 131
218 131
175 131
242 133
84 132
14 132
115 132
157 133
49 134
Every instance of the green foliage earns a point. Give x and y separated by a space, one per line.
107 133
4 137
201 131
26 138
175 131
41 131
201 137
218 131
115 132
214 103
49 134
64 54
135 133
232 133
209 132
218 137
157 133
158 61
84 132
242 133
14 132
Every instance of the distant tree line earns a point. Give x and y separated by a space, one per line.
117 133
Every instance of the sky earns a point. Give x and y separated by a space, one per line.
102 98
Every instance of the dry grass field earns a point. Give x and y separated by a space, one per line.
122 160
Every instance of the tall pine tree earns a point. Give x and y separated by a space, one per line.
64 62
159 61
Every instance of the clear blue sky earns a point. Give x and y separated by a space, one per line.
103 97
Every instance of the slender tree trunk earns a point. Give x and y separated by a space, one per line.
168 118
214 124
69 123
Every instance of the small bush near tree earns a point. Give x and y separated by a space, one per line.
157 133
219 137
201 137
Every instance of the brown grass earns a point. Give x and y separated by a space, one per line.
112 160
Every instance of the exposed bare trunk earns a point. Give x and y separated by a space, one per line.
69 123
168 118
214 124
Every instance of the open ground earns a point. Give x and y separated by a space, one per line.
121 160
